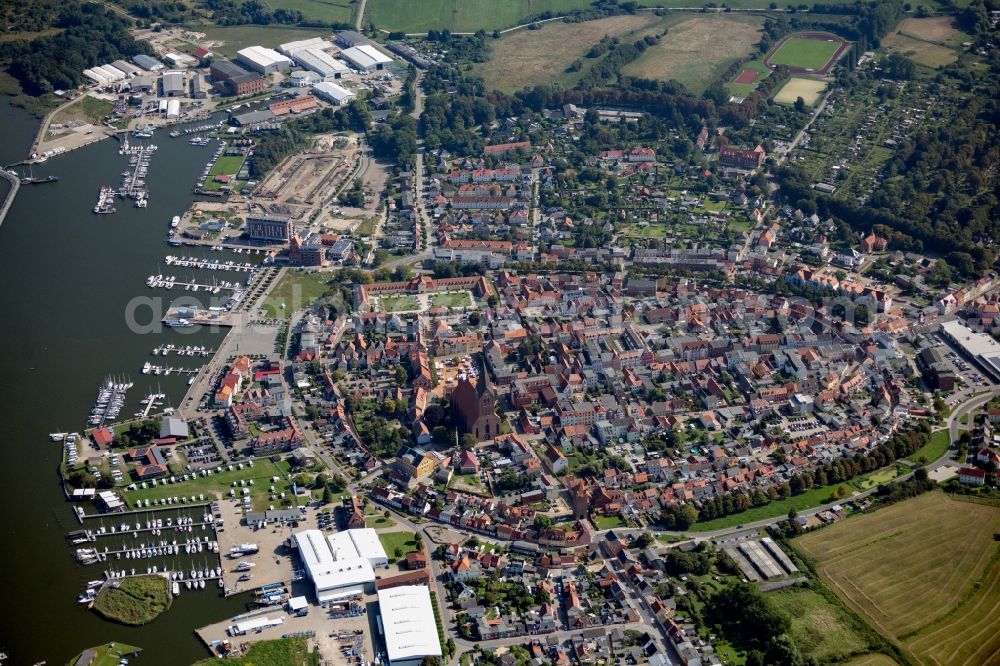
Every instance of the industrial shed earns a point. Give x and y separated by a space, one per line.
333 578
321 62
289 48
406 619
366 58
172 84
333 93
147 62
263 60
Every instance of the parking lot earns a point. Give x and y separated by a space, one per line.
201 453
271 564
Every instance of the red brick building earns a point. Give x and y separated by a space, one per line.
742 158
475 408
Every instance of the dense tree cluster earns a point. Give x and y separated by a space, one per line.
167 11
18 16
745 616
461 48
395 139
235 12
90 35
379 425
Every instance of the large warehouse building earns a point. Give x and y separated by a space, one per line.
406 619
172 84
321 62
311 54
340 566
362 542
979 348
333 93
366 58
263 60
332 579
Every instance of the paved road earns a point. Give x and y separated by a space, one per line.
361 15
802 132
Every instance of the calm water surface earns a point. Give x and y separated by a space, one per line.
66 278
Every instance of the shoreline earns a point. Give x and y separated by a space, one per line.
15 185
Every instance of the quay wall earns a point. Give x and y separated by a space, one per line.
15 183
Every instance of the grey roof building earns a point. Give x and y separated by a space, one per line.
254 117
172 84
196 90
173 426
147 62
349 38
141 84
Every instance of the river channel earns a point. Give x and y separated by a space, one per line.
67 277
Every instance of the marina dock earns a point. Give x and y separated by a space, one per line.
209 264
183 317
134 180
170 281
149 401
164 350
110 400
150 369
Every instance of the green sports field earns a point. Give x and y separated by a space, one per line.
806 53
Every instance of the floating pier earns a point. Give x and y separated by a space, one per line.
170 281
150 369
164 350
209 264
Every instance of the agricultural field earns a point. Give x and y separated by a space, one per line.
329 11
821 629
734 4
804 52
692 51
808 89
531 57
460 15
872 660
938 29
919 51
232 38
924 572
295 290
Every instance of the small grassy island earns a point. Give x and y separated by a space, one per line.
134 601
108 654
